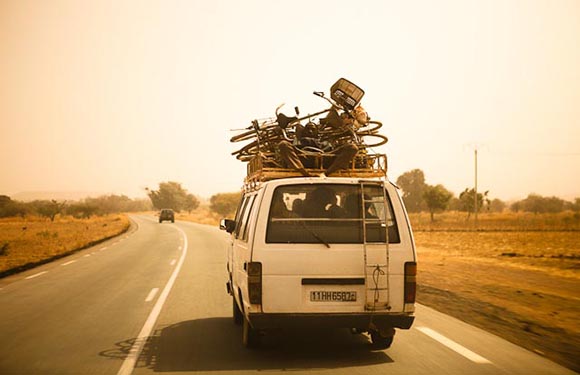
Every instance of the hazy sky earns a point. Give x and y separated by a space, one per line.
116 96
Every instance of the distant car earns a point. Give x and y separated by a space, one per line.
167 214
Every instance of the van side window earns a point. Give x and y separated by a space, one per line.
239 209
240 215
244 230
331 213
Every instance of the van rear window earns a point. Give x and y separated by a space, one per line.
331 213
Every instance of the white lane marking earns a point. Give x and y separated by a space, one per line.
87 255
453 345
172 262
131 360
151 294
67 263
35 275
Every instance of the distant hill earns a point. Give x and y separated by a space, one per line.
27 196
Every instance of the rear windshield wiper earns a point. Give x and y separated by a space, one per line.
314 234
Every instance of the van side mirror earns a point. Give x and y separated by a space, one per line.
227 225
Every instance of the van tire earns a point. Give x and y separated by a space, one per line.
238 316
250 336
380 342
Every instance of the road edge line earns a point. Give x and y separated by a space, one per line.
460 349
129 364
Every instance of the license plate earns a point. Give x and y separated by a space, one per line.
330 296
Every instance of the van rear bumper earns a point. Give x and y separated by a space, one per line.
350 320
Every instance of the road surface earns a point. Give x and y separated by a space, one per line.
154 300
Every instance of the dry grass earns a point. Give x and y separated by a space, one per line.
554 252
517 275
506 221
25 242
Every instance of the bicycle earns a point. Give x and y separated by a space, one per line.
266 135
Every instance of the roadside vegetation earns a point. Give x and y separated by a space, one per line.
35 232
27 242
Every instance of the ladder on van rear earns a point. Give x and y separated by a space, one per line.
376 263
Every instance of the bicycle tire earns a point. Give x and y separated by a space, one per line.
370 130
383 140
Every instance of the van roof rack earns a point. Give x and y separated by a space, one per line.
264 167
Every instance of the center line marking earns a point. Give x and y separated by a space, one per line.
129 364
453 345
36 275
151 294
67 263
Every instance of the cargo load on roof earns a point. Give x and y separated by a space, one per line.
339 144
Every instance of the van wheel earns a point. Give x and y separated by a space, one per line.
250 336
381 342
238 316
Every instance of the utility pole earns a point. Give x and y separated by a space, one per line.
475 195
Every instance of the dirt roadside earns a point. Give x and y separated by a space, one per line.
530 307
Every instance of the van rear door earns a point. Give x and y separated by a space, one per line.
313 248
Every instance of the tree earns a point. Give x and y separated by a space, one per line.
537 204
49 209
225 204
466 199
170 195
191 203
576 205
413 185
9 208
516 206
497 205
437 199
83 209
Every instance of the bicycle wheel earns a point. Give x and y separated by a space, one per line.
371 128
381 140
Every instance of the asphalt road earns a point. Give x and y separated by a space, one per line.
154 300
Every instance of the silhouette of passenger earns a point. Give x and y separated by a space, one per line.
317 200
297 207
352 206
279 208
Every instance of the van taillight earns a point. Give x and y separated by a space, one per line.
410 282
255 282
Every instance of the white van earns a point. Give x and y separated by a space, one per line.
333 252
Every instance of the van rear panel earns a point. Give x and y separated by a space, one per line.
315 240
